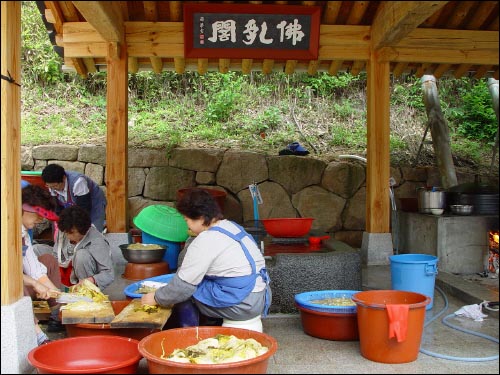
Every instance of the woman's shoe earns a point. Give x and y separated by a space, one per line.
55 326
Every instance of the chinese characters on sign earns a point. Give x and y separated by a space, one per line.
228 33
245 32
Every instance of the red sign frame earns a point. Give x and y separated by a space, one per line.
312 13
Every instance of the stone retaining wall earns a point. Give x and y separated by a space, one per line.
334 193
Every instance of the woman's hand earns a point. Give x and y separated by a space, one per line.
42 291
149 299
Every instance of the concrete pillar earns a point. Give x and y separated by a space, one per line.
376 248
18 336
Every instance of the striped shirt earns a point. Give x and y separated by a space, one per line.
31 265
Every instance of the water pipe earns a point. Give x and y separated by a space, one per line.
445 322
392 182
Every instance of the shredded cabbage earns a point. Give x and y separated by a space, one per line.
218 349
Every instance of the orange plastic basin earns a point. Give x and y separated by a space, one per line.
151 348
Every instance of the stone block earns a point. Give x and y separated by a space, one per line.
303 272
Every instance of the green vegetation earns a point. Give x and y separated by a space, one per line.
326 114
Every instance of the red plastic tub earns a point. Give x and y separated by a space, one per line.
329 326
288 227
87 355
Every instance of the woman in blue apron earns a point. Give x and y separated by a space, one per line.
73 188
223 273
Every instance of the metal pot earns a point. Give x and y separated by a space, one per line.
430 198
143 256
484 198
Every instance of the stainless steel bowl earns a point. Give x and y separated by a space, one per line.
143 256
461 209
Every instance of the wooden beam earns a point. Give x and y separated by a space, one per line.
54 15
150 10
224 65
357 66
312 67
396 19
80 67
441 69
450 39
399 69
483 11
334 67
440 56
290 66
331 12
11 256
246 65
461 70
422 69
267 66
105 17
357 12
157 64
133 66
202 66
179 65
69 11
461 11
496 74
482 70
175 10
378 160
117 142
89 64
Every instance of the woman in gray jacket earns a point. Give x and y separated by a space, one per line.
82 251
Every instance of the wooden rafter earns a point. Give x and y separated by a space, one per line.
395 20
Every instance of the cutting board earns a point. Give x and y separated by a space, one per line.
104 315
129 318
41 310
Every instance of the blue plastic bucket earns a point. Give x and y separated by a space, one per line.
414 273
173 249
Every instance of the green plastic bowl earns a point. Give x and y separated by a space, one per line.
164 222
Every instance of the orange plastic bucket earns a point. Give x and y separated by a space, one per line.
390 324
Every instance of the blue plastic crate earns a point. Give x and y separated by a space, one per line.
129 291
304 300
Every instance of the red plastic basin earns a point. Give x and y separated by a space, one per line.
329 326
288 227
87 355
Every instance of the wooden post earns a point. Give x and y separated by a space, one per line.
117 139
439 132
11 258
378 160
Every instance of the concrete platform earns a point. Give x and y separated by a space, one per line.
300 353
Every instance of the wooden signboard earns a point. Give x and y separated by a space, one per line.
289 32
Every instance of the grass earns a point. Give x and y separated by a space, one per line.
247 112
